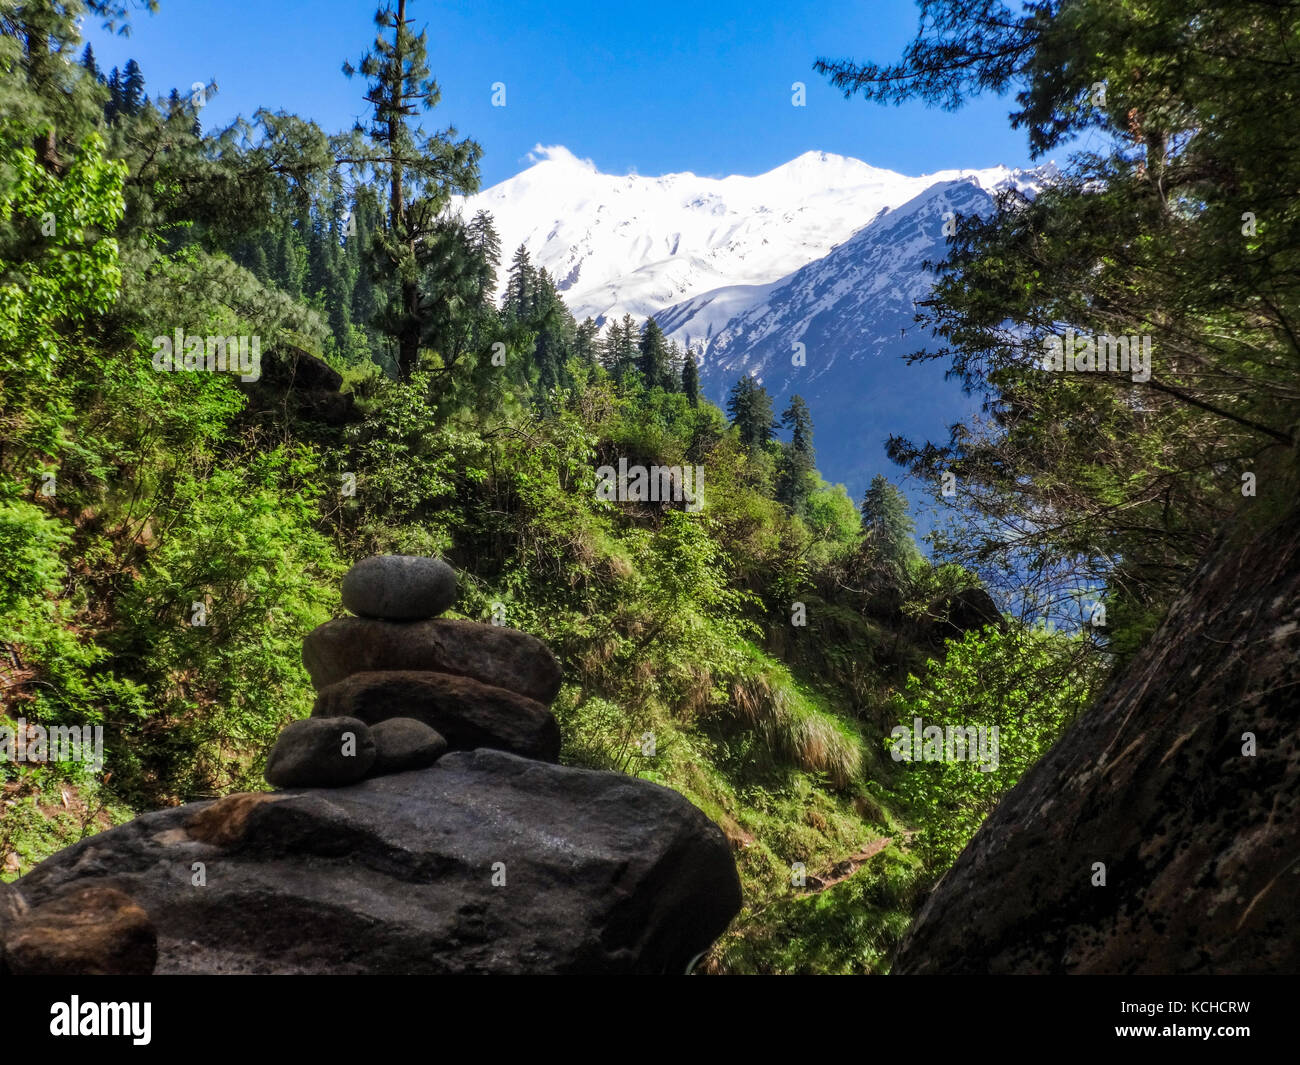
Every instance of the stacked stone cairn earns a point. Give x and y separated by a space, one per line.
397 685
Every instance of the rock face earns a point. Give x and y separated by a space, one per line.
399 587
1200 838
494 655
87 930
467 713
321 753
484 863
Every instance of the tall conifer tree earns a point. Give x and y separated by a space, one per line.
420 173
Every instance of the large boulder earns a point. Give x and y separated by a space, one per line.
505 658
467 713
399 587
289 366
1181 786
483 863
299 383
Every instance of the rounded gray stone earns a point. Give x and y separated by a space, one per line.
399 587
321 753
402 743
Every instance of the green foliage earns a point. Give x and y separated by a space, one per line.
213 626
851 928
1029 684
56 263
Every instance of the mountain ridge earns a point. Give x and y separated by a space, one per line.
635 244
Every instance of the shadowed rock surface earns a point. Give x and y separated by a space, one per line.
1201 843
506 658
954 616
12 907
304 384
603 873
467 713
88 930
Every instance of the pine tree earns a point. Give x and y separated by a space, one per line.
133 95
520 282
673 379
550 351
420 173
367 298
750 408
691 379
586 342
114 106
486 245
620 347
88 61
652 356
798 459
459 274
887 524
542 295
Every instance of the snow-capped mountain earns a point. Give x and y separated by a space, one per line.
635 244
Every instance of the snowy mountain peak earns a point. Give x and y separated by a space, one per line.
638 244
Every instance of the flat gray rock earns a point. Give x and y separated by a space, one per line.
483 863
399 587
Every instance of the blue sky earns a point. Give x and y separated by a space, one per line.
651 88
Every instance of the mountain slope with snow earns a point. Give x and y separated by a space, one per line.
853 313
635 244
